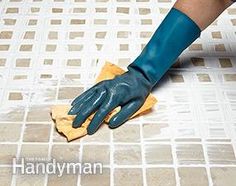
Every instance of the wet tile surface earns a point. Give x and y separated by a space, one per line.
160 176
54 180
51 51
158 154
65 152
36 133
96 153
223 175
103 179
127 155
22 180
193 176
126 177
8 152
10 132
5 175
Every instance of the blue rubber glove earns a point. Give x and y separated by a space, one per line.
176 32
130 90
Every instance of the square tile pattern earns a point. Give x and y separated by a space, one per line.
51 51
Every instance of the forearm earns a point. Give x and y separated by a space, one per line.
202 12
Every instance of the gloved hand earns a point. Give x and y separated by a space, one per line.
128 90
176 32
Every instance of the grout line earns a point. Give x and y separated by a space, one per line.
144 170
81 147
174 156
208 171
49 151
203 137
112 164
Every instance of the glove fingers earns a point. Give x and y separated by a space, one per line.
123 115
76 107
88 108
84 95
100 115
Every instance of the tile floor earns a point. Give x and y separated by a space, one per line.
51 50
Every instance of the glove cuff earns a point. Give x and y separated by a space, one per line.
176 32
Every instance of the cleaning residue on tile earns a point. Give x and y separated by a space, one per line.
53 51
